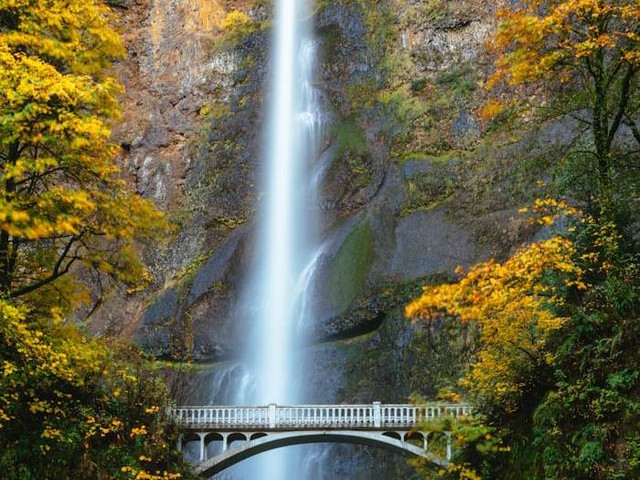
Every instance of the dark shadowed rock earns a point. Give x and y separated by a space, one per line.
466 130
162 309
157 329
214 270
428 243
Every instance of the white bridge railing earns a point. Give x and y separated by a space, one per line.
275 417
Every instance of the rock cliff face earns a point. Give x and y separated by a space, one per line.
411 188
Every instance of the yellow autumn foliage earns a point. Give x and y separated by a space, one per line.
511 303
539 37
237 24
62 201
58 400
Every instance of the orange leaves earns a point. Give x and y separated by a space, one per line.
512 303
542 37
492 109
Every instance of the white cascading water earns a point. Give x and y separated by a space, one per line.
286 248
286 220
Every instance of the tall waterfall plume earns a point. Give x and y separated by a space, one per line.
286 250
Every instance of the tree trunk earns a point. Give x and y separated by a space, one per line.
6 270
601 140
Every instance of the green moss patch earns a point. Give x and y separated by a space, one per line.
351 267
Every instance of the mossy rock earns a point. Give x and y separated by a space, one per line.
350 267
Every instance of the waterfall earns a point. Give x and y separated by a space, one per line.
286 253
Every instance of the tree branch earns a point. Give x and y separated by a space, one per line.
57 272
622 104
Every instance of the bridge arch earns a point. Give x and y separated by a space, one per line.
272 441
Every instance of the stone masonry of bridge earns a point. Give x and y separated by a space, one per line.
247 431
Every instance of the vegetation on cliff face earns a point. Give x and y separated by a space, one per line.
70 406
556 376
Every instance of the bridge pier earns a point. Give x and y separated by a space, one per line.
203 450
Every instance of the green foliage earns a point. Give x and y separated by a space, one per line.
350 137
585 427
458 81
72 408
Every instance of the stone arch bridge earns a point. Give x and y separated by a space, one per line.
247 431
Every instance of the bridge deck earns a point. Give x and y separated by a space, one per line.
313 417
